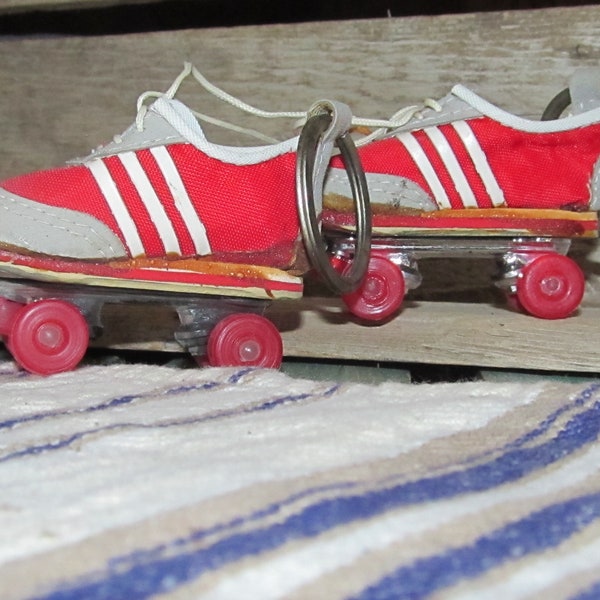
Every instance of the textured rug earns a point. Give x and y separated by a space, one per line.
138 481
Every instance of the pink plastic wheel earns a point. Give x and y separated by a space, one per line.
245 339
48 336
381 293
550 287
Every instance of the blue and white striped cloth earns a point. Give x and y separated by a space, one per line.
138 481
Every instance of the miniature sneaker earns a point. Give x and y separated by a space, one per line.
159 203
158 191
463 166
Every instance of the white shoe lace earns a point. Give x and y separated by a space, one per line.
382 126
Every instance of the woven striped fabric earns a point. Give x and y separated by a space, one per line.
139 481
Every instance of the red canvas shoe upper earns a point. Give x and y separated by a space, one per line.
163 190
480 163
175 200
470 154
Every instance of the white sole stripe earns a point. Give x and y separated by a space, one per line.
480 161
152 202
182 200
422 161
453 167
117 206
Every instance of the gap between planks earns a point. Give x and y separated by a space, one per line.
14 6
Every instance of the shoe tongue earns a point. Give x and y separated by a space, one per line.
584 88
178 115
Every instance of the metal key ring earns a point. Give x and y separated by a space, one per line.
308 154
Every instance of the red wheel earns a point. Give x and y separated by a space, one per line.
245 339
550 287
49 336
380 294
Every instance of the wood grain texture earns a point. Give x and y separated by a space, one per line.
445 333
62 96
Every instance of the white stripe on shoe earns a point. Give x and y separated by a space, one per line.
117 206
151 201
452 165
480 161
422 161
182 200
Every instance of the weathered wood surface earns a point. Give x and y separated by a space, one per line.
63 96
481 335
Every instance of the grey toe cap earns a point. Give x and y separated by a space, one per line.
53 231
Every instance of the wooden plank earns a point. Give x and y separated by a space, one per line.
445 333
63 96
481 335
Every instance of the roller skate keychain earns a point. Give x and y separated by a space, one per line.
162 215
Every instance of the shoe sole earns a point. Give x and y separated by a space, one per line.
177 276
500 222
